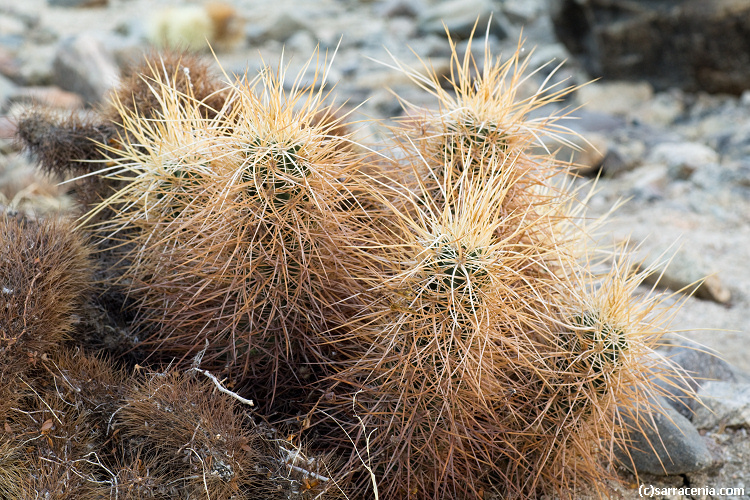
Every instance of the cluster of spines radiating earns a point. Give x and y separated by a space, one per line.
435 320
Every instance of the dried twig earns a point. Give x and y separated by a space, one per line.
221 388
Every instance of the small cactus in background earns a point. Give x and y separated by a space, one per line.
63 145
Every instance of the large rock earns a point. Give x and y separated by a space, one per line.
693 366
82 65
723 404
686 271
461 16
692 44
668 445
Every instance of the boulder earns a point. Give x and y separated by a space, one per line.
664 443
82 65
694 366
461 16
691 44
723 405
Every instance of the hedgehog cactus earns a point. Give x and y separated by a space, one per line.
473 373
462 316
441 308
45 274
234 227
482 113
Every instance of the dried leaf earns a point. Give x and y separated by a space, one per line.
47 425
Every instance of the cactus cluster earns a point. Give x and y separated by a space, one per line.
430 316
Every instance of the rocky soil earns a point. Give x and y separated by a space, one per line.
677 155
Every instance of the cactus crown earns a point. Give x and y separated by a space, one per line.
275 172
455 275
607 341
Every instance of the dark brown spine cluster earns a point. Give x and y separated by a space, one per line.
194 436
190 75
45 273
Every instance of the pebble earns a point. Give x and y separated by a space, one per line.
523 11
78 3
614 98
302 43
11 26
585 121
646 183
548 55
586 155
663 110
7 89
35 65
50 96
682 158
400 8
283 26
622 157
7 135
738 174
8 63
